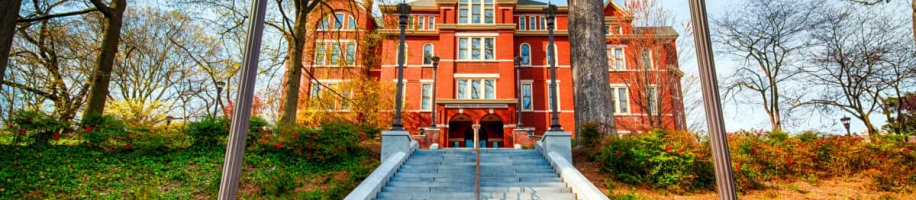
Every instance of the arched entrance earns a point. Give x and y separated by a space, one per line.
491 128
458 126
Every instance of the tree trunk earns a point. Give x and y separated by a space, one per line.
290 102
9 13
914 20
589 66
101 76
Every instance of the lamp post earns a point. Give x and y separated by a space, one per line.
219 100
551 12
518 85
845 121
433 97
403 13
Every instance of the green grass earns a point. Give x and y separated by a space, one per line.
77 172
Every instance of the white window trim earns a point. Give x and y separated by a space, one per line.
657 105
651 59
614 88
476 75
559 100
556 60
611 52
529 53
483 8
530 86
483 87
477 34
433 54
483 49
422 94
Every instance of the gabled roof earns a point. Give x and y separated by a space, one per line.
658 31
616 7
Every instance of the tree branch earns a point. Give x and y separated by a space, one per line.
46 17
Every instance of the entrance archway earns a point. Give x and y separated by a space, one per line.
458 125
491 127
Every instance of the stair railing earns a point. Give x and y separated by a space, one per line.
476 128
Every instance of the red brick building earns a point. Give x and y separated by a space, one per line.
477 41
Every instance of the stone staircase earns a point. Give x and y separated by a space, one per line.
451 174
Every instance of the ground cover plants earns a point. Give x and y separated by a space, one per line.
113 160
680 162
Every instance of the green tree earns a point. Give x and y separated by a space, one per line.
101 74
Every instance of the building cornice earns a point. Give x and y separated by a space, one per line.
618 19
539 8
481 27
637 36
409 32
540 33
476 101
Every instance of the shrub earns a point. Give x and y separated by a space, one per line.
209 131
590 135
107 132
673 161
35 128
331 141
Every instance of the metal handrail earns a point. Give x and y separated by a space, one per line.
477 149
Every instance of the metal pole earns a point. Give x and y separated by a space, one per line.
724 178
435 76
235 149
518 86
551 11
403 13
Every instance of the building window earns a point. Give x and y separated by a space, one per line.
647 62
410 22
351 54
619 30
521 23
479 89
320 54
478 45
615 58
607 30
475 11
550 56
428 54
432 23
525 54
335 54
550 95
422 22
333 58
351 24
543 23
526 97
532 23
619 100
345 103
653 100
427 95
406 51
462 48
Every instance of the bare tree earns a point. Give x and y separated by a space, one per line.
770 37
653 77
589 69
861 61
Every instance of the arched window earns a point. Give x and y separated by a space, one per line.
525 53
351 23
323 24
428 54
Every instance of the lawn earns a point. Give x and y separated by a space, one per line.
71 172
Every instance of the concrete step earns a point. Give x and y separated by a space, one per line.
472 184
482 189
472 195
